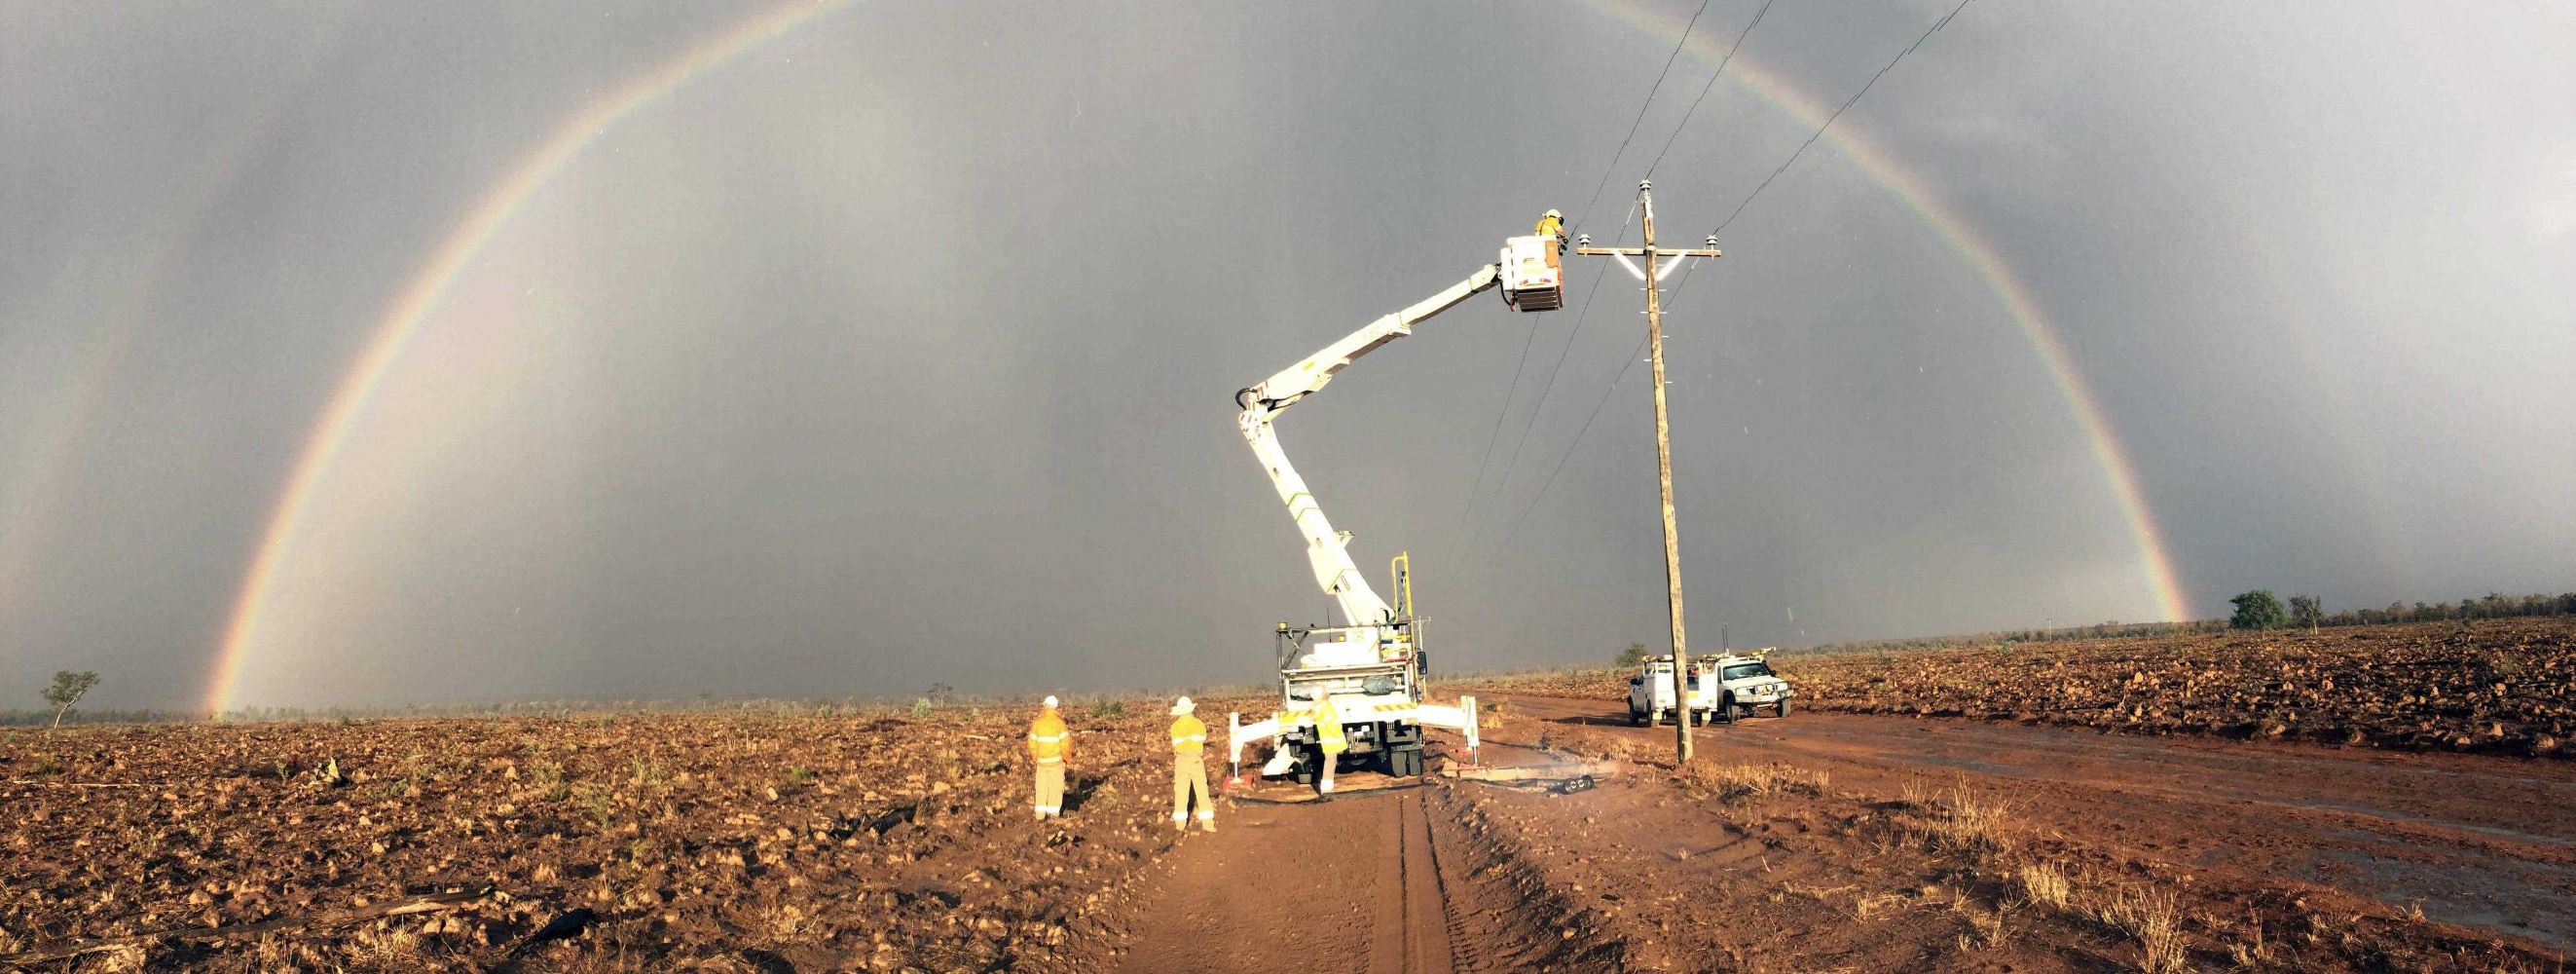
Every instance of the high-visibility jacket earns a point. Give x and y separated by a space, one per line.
1549 226
1189 735
1049 742
1328 725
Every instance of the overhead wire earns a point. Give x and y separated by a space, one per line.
1510 524
1467 513
1838 113
1586 216
1512 391
1704 89
1549 391
1577 441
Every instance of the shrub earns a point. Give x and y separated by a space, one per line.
2258 609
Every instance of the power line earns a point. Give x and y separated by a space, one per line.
1587 423
1838 113
1496 434
1555 369
1641 115
1466 515
1513 390
1704 89
1577 441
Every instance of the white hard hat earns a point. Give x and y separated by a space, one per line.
1050 701
1555 214
1183 706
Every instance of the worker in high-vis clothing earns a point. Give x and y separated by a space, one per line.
1189 767
1049 744
1328 729
1551 228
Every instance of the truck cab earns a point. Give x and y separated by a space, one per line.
1650 692
1744 683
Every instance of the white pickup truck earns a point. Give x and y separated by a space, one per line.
1722 688
1650 691
1745 683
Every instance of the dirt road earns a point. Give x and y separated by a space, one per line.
2477 840
1835 841
1383 881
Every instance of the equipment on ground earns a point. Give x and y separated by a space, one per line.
1372 665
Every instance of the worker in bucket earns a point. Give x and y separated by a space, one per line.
1328 730
1551 228
1049 744
1189 767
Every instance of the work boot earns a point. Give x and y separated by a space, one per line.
1180 825
1207 825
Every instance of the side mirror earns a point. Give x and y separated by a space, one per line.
1635 680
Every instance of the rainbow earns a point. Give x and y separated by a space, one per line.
43 476
423 295
495 208
1963 238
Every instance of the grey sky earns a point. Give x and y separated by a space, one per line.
900 349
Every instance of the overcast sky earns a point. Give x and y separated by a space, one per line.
901 348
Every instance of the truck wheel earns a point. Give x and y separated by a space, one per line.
1784 708
1635 718
1726 710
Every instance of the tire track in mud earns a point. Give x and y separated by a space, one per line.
1427 925
1462 953
1394 883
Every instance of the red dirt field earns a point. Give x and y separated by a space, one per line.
655 842
812 842
2499 686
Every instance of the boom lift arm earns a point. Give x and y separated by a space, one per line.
1370 667
1327 550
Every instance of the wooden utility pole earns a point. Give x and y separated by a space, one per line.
1653 275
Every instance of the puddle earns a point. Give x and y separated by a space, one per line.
2501 896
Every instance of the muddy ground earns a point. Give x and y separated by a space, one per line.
813 842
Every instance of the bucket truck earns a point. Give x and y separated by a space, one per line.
1371 666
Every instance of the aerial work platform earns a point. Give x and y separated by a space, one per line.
1533 274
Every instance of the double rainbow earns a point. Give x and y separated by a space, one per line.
496 207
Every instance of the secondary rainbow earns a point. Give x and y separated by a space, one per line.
404 316
1963 238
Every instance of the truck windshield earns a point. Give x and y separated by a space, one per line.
1746 671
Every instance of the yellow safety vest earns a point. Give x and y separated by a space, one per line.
1049 742
1328 725
1549 226
1188 736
